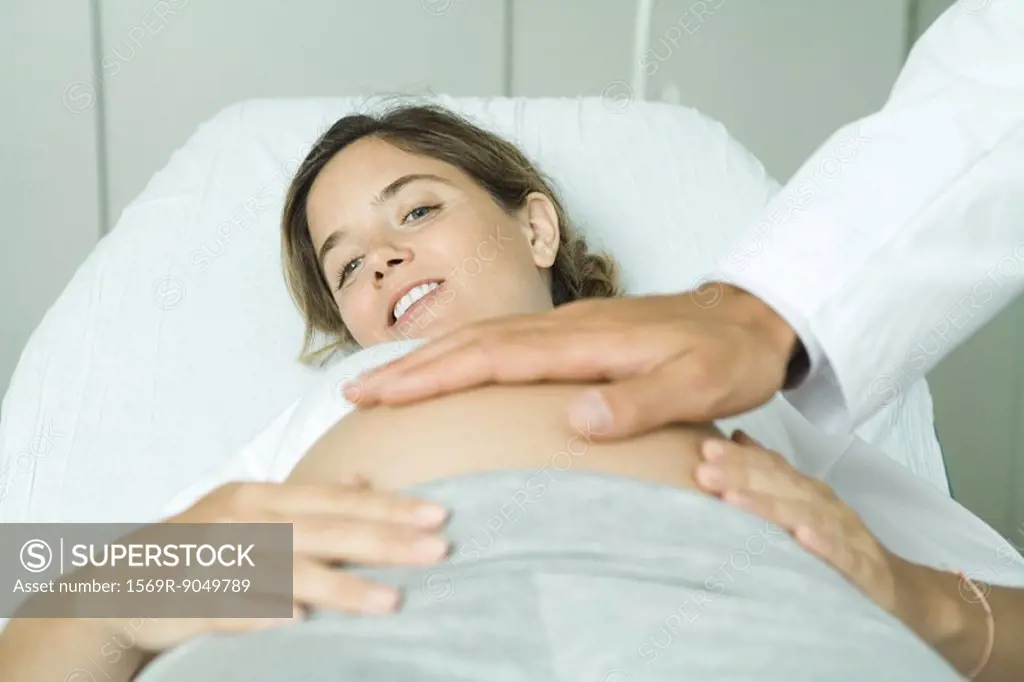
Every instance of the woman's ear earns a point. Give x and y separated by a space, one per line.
540 222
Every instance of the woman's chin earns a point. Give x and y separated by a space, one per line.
424 327
437 322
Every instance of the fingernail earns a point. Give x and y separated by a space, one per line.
430 515
712 450
590 413
430 548
380 601
710 476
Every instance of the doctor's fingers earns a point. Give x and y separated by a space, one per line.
265 502
490 333
371 382
547 350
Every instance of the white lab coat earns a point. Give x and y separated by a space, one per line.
904 233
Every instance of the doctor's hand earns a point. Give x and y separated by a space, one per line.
691 357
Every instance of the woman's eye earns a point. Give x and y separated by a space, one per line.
419 212
346 270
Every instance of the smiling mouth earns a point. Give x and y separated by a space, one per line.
413 299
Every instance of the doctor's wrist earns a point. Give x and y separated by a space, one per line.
792 356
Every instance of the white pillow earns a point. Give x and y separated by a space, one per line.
175 342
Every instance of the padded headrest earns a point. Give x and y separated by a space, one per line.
175 342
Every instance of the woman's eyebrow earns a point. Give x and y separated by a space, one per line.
329 244
392 189
385 194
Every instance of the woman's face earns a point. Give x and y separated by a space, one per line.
411 247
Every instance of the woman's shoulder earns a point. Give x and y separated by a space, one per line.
348 368
352 365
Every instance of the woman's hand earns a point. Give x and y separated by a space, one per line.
332 524
746 475
941 607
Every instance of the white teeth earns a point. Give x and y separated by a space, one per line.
413 295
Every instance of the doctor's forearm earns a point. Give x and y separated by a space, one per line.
904 233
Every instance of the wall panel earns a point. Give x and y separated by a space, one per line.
48 161
171 64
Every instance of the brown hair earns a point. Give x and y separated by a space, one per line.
432 131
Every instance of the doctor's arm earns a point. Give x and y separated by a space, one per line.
904 233
901 236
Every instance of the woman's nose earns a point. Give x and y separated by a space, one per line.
389 257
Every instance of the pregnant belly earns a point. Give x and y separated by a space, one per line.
494 427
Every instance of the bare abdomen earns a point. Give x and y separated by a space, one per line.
494 427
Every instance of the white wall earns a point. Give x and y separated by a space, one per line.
166 72
48 162
741 63
100 94
781 75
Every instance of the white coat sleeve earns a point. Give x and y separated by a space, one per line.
904 233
